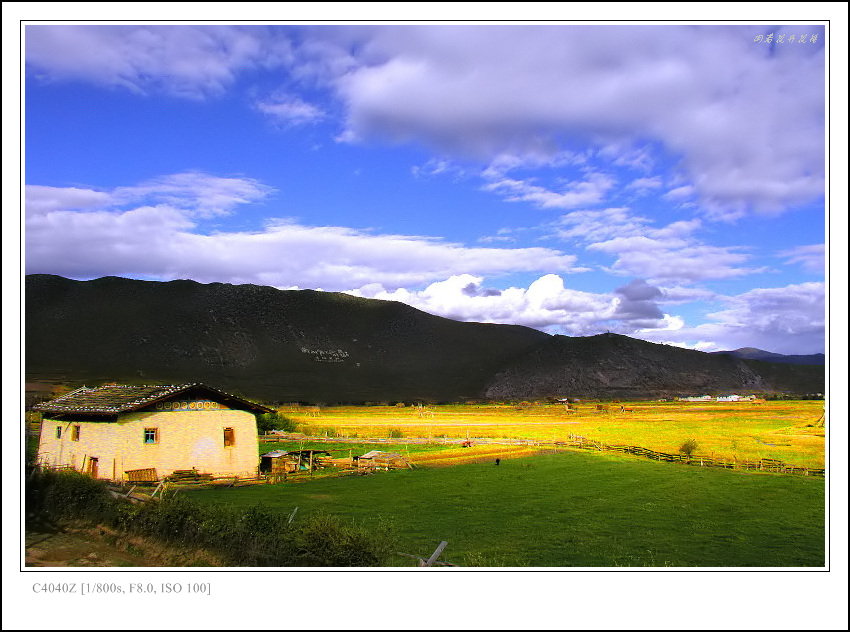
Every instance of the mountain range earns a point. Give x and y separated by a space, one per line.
304 345
751 353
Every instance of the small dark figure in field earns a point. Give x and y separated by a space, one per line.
498 461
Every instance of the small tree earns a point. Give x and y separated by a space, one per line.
688 447
274 421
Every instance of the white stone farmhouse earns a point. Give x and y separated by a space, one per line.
107 431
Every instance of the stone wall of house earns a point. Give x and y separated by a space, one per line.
184 439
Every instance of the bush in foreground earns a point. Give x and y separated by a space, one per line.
256 536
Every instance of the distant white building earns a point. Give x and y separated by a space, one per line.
702 398
728 398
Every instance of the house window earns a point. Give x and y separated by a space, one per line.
58 432
228 437
151 435
75 433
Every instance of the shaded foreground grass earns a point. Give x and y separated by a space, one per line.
573 509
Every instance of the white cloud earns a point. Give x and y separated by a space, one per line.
290 110
162 240
575 193
745 144
784 320
43 199
788 319
436 167
810 258
642 185
679 193
667 254
675 294
186 61
196 193
598 225
545 304
671 260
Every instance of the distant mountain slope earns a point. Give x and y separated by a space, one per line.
751 353
610 365
278 345
264 342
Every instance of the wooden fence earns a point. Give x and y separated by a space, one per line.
764 465
577 441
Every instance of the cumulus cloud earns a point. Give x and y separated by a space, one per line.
783 320
544 304
485 90
788 319
185 61
637 304
164 240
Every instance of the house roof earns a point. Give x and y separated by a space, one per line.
275 454
112 400
378 454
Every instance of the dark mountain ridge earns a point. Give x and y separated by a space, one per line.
279 345
751 353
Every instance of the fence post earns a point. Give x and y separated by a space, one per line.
430 561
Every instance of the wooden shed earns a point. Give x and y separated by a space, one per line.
284 462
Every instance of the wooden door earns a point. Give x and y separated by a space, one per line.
92 467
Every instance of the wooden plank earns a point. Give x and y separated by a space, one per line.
430 561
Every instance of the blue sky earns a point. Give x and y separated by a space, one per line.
664 182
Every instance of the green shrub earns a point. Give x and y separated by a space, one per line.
275 421
58 495
256 536
326 540
688 447
395 433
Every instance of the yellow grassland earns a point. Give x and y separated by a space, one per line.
782 430
468 455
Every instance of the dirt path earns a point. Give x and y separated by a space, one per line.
83 546
79 547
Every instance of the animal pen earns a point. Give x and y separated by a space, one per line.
279 463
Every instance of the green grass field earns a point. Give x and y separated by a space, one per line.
572 510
